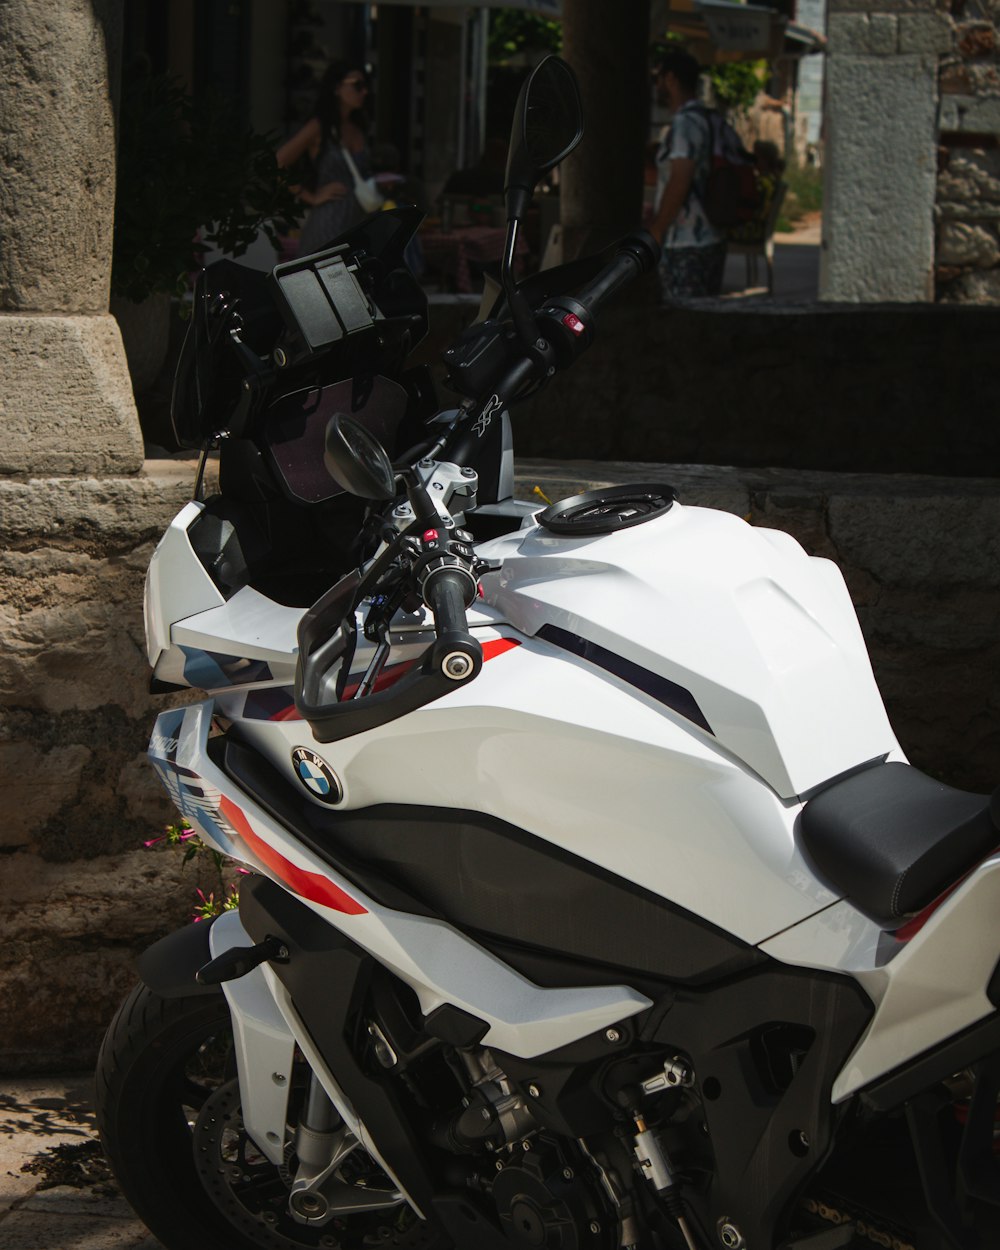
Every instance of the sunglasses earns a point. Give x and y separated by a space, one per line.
358 84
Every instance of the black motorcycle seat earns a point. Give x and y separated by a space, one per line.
890 839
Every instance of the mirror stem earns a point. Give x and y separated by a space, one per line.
524 322
424 512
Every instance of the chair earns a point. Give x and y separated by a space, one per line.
758 240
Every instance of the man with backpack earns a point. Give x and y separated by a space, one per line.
694 245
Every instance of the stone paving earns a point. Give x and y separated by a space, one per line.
64 1201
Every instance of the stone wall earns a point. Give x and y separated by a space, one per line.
912 198
968 183
881 121
873 389
80 895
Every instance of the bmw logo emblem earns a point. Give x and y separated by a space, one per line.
317 776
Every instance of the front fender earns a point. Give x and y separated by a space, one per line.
263 1044
168 967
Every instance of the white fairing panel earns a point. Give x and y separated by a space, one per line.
438 962
926 987
936 985
176 583
248 625
764 637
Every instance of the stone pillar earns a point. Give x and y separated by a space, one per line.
881 117
78 519
968 208
65 397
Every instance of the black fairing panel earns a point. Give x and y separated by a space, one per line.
502 885
289 553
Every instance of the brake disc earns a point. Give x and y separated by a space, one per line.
252 1193
249 1191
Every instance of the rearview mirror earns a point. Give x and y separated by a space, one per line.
357 461
547 126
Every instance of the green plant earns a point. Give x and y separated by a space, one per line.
804 195
226 895
513 31
736 83
182 170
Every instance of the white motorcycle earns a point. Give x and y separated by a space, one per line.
593 904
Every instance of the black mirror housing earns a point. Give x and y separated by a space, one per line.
547 126
357 461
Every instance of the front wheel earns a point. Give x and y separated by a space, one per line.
168 1112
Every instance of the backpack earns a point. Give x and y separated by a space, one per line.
732 196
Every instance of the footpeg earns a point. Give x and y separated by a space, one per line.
240 960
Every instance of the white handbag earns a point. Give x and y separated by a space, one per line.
366 191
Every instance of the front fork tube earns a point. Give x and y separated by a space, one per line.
322 1142
266 1031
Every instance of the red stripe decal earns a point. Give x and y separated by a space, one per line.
308 885
498 646
287 713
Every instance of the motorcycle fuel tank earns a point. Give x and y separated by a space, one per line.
735 627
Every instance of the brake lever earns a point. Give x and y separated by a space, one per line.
376 629
374 668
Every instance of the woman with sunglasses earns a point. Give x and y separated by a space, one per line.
338 122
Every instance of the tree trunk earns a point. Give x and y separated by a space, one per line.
606 44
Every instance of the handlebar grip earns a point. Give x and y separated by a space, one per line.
447 594
637 254
448 590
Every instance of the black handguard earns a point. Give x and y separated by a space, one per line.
567 321
448 586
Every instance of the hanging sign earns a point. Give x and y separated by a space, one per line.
738 27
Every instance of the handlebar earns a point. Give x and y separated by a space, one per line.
637 254
443 569
567 321
446 592
448 589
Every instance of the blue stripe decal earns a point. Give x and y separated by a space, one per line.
268 703
211 670
659 688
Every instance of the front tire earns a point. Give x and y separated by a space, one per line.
143 1107
161 1062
